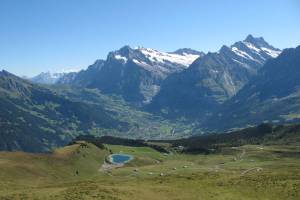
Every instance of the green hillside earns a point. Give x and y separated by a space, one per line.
36 118
33 118
76 172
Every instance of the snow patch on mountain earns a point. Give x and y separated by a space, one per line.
140 62
161 57
119 57
242 53
241 63
270 52
252 47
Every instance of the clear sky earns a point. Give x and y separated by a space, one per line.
52 35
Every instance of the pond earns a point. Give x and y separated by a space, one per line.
120 158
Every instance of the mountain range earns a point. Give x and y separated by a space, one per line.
38 118
273 96
211 80
165 80
134 73
144 93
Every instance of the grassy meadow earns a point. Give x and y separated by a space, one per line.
75 172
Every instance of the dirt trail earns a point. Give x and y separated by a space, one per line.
257 169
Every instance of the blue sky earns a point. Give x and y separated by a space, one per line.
52 35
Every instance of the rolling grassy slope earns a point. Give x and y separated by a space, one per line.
245 172
61 165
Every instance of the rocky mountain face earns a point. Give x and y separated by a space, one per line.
84 77
199 90
272 96
135 74
186 84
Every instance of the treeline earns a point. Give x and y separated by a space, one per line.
100 141
265 134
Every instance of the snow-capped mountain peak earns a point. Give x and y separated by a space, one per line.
182 57
155 56
253 49
155 61
259 44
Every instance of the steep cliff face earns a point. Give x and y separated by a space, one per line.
135 74
212 79
272 96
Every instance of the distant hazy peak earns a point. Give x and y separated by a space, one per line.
5 73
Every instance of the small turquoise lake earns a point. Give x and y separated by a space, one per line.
120 158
